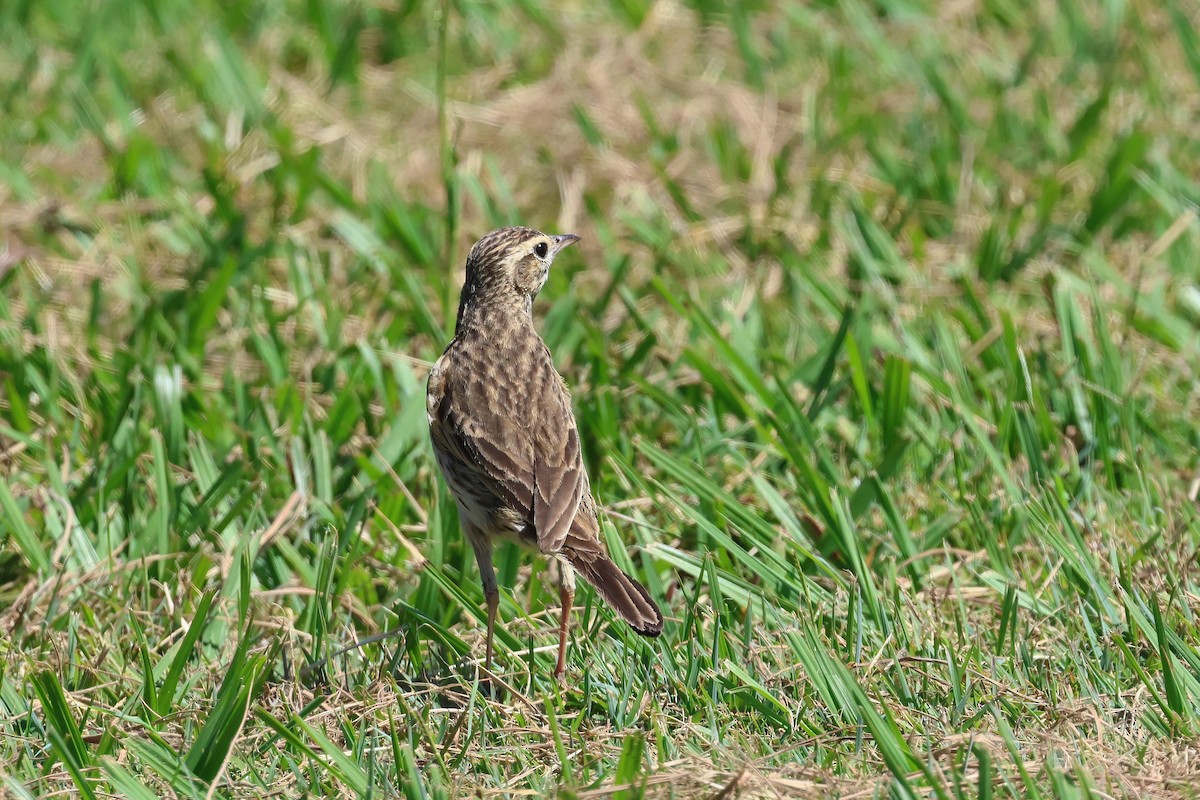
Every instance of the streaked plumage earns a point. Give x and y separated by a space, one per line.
505 437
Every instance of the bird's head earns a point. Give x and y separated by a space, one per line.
511 264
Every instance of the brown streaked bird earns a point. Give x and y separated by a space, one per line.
505 437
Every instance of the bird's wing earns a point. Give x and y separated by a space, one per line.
559 478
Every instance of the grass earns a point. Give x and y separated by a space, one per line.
883 337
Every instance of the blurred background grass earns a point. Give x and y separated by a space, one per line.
882 336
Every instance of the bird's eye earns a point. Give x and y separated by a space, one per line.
540 249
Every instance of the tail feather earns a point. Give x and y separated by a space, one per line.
627 597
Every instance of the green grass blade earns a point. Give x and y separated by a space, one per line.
64 733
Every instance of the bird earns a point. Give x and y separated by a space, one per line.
506 439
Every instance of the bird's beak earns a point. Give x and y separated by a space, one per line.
562 241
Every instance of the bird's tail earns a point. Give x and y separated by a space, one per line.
627 597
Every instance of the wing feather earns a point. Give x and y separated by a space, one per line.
559 476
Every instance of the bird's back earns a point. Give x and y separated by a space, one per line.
501 423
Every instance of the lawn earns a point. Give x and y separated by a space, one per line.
883 336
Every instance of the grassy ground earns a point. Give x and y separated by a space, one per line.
883 338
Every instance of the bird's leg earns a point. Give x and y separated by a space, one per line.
566 594
482 546
567 597
493 602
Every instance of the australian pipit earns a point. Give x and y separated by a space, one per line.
505 436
